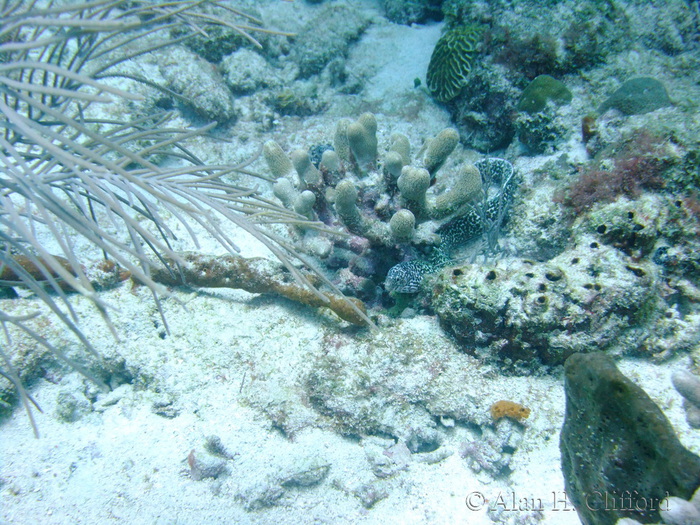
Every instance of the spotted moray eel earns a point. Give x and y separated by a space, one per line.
406 277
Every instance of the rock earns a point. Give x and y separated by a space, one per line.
204 465
484 110
71 408
540 132
410 12
246 71
615 441
260 496
591 296
327 37
308 472
201 87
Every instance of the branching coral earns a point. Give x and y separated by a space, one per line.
391 214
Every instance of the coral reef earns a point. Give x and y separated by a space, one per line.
397 212
328 421
633 449
516 45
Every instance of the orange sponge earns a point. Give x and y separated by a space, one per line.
509 409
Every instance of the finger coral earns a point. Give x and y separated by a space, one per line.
401 211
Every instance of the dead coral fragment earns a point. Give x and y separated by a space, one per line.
254 275
501 409
10 276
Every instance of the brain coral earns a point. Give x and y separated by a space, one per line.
451 62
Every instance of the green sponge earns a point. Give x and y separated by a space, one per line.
541 90
616 442
637 96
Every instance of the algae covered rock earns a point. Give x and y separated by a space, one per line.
483 110
398 384
327 37
637 96
591 296
201 87
410 12
245 71
540 132
633 226
616 442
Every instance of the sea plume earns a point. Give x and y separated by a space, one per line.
119 185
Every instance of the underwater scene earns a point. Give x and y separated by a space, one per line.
350 262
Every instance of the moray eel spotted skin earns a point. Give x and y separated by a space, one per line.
406 277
